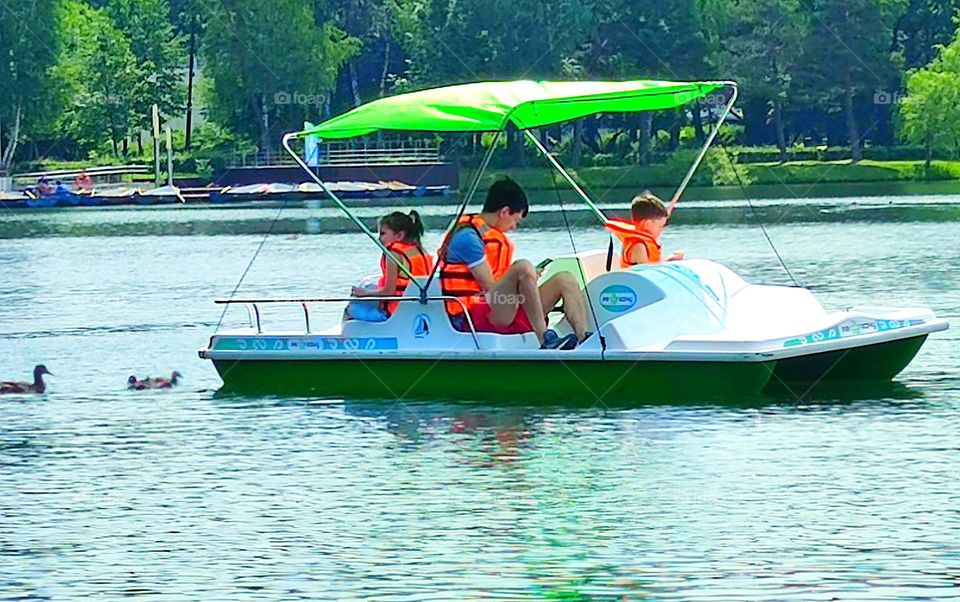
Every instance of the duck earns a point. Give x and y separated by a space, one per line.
37 386
154 383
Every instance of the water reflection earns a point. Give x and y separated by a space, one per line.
189 493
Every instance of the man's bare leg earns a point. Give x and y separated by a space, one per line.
564 286
517 287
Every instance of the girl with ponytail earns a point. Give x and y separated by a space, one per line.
401 234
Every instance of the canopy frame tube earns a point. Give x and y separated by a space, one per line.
471 192
683 184
483 167
363 228
706 146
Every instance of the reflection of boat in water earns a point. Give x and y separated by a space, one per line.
686 329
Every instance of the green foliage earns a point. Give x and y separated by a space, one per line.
97 74
26 107
930 113
159 52
808 69
271 64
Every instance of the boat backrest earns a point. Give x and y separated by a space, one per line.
416 326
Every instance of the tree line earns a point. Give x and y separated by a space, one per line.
80 76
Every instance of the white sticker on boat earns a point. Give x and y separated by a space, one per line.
618 298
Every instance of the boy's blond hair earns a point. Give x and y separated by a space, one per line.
646 205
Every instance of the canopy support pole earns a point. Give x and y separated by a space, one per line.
336 200
466 199
703 151
583 195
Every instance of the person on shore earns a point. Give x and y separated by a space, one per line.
641 236
43 187
401 234
501 295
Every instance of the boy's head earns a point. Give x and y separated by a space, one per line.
649 213
507 202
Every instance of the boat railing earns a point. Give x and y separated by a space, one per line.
304 303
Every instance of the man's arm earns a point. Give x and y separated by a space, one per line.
484 275
466 246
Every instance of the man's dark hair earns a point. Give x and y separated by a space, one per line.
506 193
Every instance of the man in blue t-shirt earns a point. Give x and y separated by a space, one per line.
499 310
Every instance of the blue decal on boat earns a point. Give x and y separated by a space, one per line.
306 343
421 326
695 277
852 329
618 298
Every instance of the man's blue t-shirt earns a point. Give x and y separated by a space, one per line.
466 246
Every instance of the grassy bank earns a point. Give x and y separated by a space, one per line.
758 174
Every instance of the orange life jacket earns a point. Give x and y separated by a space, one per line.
631 236
83 182
414 258
456 278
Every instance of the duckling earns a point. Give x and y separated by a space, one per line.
37 386
165 383
154 383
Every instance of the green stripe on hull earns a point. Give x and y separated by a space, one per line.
550 381
878 362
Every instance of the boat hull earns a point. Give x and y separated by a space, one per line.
877 362
585 382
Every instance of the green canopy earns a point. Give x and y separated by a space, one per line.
486 106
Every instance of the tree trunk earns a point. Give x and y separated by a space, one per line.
6 159
386 67
190 75
852 132
592 133
354 86
514 146
778 127
577 143
698 124
140 142
675 133
646 130
928 150
116 149
265 141
126 146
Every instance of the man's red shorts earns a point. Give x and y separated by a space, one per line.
480 314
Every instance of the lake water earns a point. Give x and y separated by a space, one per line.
182 494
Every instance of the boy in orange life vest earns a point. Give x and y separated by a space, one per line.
642 244
476 265
400 233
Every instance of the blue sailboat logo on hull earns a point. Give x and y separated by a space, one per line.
421 326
